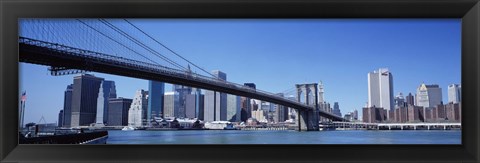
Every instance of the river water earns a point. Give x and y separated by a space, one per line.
285 137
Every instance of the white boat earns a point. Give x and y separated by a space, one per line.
218 125
128 128
229 127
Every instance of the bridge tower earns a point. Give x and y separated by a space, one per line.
308 119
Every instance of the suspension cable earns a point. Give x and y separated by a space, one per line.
158 42
141 44
115 41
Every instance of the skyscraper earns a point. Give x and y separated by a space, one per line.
67 106
400 101
199 105
194 104
190 106
137 113
336 109
454 93
233 108
182 92
156 92
107 90
84 99
118 111
60 118
281 112
246 111
215 102
429 96
410 99
209 106
380 89
171 101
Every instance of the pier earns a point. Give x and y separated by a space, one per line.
391 126
96 137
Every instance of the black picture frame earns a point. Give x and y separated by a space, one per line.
467 10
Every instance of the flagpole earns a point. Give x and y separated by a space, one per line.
20 116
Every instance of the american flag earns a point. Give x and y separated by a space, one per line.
24 96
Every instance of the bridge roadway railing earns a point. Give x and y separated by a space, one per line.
153 68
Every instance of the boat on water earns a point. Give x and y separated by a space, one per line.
220 125
128 128
229 127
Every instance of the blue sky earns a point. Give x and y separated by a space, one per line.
277 54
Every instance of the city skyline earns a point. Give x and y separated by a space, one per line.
263 70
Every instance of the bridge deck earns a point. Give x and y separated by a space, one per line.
46 53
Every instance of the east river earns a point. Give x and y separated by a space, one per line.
285 137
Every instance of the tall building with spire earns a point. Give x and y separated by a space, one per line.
380 89
107 90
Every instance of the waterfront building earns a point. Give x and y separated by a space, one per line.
454 93
106 91
84 99
171 107
401 114
137 113
380 89
415 113
410 99
60 119
215 102
118 111
233 108
427 114
336 109
390 115
67 106
440 114
374 114
156 91
453 112
429 95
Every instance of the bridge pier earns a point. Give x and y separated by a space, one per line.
308 121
